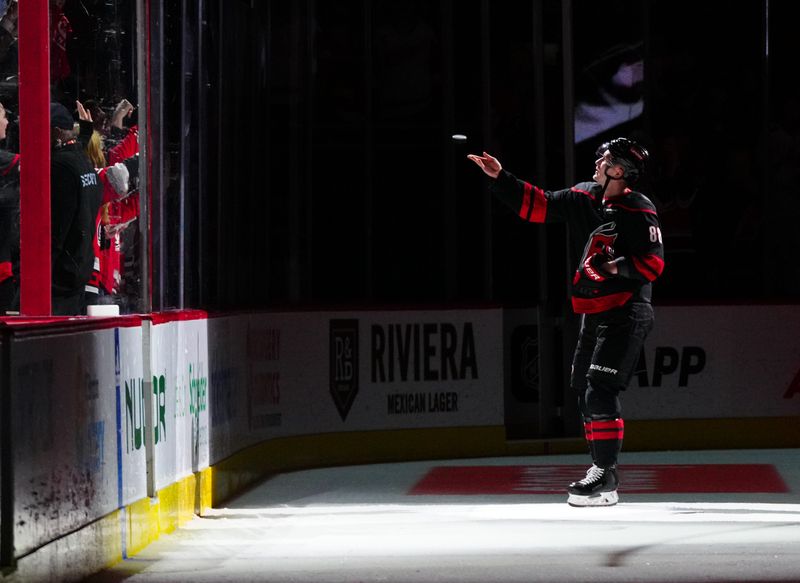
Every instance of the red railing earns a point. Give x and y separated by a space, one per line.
34 113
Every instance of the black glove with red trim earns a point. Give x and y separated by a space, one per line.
594 268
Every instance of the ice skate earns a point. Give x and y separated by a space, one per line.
598 488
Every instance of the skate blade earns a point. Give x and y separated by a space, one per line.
601 499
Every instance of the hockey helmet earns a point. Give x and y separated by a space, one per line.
628 154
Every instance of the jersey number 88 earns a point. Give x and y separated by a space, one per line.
655 235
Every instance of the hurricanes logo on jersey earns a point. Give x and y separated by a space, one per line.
602 243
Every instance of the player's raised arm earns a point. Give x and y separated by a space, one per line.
529 202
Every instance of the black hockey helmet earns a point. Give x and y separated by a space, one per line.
628 154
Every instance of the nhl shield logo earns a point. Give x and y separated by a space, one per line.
525 363
343 364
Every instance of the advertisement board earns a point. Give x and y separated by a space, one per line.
179 365
247 375
130 389
718 362
282 374
64 421
412 369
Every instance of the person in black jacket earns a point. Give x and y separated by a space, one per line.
618 230
76 195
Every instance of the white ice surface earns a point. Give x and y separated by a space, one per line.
357 524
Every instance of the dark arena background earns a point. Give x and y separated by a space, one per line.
325 170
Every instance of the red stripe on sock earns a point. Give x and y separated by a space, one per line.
615 424
602 430
604 435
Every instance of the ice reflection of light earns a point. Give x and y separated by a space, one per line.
366 530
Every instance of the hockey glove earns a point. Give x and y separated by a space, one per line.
594 268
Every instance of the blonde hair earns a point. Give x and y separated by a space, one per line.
95 150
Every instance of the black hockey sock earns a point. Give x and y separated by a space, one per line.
605 439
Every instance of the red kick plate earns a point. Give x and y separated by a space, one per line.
634 479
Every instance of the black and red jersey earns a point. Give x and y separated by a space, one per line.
624 228
9 215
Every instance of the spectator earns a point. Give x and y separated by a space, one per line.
76 194
8 34
96 114
94 149
9 223
118 209
106 132
116 132
60 32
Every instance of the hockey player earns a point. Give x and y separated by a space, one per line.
617 228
